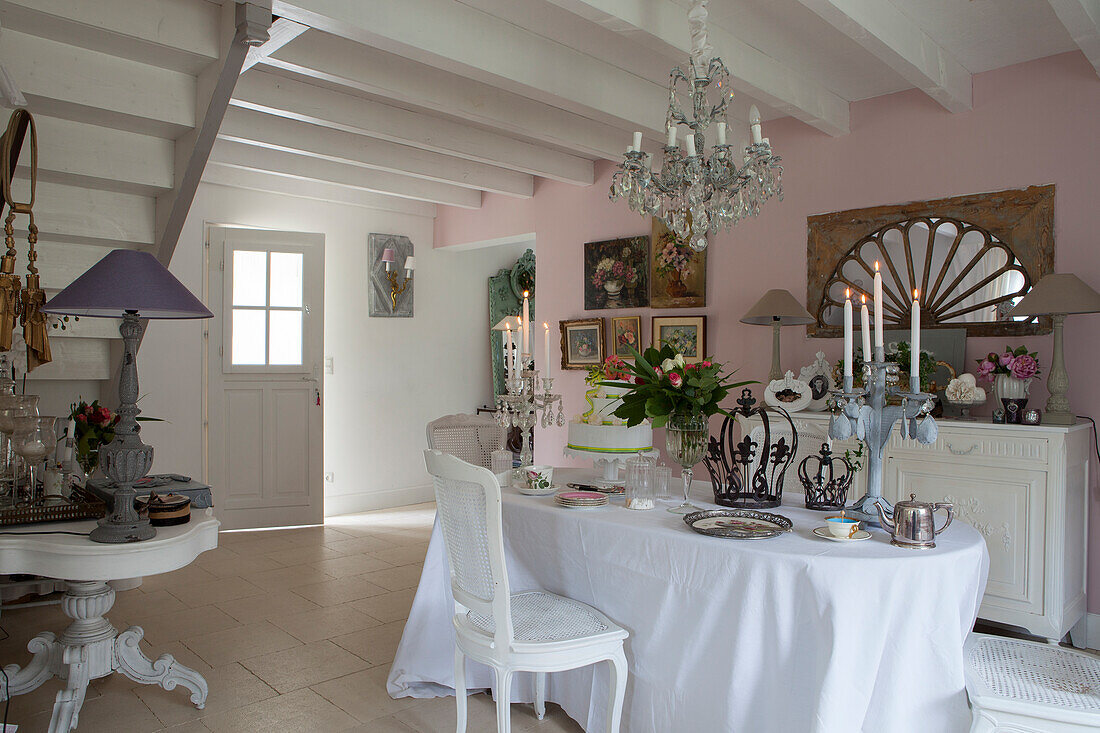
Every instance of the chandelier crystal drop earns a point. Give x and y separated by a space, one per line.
692 194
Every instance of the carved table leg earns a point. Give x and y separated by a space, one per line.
164 671
45 648
67 704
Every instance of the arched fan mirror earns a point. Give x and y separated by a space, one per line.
971 257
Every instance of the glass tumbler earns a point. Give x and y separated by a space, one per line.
662 483
639 485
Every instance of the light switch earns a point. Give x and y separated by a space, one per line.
328 365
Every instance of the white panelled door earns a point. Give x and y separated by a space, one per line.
264 429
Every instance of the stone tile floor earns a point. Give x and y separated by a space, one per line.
294 630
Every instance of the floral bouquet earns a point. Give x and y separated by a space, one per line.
1018 362
665 385
95 427
614 271
674 256
613 369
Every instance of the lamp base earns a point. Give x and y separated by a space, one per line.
112 532
1058 417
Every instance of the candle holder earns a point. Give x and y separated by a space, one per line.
866 414
525 404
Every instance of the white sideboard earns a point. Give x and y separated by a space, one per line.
1023 487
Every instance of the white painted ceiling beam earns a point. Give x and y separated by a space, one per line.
662 26
278 162
98 157
282 32
889 35
252 180
91 87
275 94
1082 19
280 133
243 25
173 34
466 41
83 215
347 66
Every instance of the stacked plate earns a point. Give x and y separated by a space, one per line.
580 499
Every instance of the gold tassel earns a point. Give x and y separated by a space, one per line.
35 330
9 287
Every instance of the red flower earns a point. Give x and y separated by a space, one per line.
88 410
707 364
675 379
81 418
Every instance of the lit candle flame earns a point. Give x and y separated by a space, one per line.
546 325
847 292
876 265
862 297
916 295
525 292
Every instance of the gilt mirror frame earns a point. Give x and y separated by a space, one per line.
1020 220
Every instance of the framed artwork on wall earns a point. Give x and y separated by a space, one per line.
379 301
625 333
582 343
616 273
678 273
686 334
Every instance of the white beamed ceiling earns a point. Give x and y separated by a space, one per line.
405 105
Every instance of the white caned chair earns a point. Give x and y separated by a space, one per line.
1030 687
810 438
473 438
532 631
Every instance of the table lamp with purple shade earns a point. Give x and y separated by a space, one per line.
130 285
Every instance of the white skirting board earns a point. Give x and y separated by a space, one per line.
369 501
1092 630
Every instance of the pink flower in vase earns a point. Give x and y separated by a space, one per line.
659 372
1024 367
1006 360
675 379
985 370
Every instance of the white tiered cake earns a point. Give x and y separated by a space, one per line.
603 433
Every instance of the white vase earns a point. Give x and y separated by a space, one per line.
613 287
1008 387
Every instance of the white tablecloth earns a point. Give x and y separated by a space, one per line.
794 634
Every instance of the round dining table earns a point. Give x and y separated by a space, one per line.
792 634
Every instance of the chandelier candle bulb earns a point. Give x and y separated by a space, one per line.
914 342
526 325
847 334
754 124
637 141
878 307
690 142
865 328
671 136
721 133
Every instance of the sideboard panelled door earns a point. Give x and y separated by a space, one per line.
264 414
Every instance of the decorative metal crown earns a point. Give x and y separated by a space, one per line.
826 479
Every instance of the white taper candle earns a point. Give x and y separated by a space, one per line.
526 326
865 328
914 343
847 333
878 307
546 345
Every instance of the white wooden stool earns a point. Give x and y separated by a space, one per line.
1029 687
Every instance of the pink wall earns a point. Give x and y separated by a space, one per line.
1035 123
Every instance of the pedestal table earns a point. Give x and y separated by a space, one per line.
91 647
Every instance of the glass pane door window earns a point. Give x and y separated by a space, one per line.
267 308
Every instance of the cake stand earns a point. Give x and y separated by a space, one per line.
607 462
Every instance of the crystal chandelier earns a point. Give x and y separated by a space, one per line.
694 195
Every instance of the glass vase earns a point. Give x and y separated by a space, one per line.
686 440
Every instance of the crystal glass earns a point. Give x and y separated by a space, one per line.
686 440
639 483
12 406
34 438
662 482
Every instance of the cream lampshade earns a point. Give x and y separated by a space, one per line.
777 308
1058 295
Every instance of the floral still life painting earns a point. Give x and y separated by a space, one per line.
626 334
582 343
686 335
679 273
616 273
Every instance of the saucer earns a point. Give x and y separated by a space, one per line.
823 533
548 491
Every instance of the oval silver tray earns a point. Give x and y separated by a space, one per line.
736 527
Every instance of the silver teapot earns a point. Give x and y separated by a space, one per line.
913 524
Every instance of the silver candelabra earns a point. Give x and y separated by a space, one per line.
525 404
866 414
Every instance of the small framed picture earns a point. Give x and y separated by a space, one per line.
625 333
582 343
686 334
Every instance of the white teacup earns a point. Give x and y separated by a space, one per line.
538 477
842 527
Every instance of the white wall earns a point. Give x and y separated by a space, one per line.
391 375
